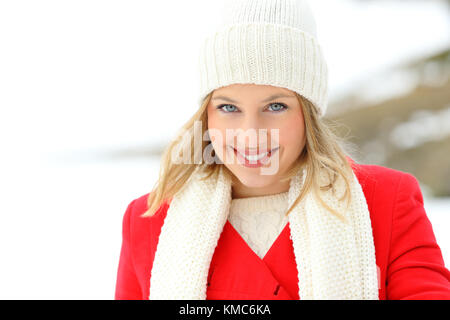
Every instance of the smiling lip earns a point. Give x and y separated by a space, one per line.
253 152
255 163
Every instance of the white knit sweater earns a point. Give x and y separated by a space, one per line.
259 220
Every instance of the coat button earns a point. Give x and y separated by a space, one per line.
209 277
276 290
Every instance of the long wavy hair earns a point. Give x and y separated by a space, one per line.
323 150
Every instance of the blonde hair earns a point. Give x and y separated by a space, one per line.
322 150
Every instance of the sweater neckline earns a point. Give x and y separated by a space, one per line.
273 202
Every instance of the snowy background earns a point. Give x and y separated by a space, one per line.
83 80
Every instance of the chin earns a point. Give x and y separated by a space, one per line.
253 180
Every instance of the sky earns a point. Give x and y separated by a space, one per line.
78 78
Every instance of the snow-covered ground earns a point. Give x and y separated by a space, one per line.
60 227
438 211
102 75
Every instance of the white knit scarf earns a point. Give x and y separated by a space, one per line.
334 260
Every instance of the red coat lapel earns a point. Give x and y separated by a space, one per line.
237 272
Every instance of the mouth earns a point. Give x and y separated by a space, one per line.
254 160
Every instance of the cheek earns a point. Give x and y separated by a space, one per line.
217 130
292 137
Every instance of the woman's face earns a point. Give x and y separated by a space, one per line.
260 120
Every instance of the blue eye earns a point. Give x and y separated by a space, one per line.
221 107
224 107
282 105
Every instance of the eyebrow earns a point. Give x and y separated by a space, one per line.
272 97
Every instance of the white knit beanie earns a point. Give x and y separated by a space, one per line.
271 42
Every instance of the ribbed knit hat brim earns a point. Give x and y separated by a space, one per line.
263 53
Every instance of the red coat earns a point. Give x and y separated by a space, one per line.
409 259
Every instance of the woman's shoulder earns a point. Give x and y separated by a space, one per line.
143 229
387 178
388 191
139 205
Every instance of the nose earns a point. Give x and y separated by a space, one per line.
250 122
252 132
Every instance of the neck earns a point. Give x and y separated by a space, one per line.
240 190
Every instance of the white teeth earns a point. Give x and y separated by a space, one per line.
256 157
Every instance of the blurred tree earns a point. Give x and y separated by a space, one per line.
409 131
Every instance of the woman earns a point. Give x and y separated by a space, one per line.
273 208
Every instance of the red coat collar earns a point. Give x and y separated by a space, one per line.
238 272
